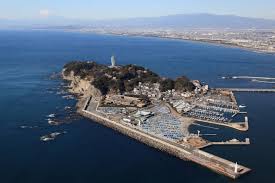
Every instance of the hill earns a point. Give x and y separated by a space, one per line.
121 79
196 21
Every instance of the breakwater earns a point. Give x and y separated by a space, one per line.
182 151
264 90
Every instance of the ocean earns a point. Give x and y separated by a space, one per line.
89 152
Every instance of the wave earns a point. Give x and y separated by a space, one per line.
253 77
262 81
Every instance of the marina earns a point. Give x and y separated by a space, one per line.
167 143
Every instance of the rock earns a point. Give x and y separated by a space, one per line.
81 86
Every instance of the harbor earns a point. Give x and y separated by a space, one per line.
180 149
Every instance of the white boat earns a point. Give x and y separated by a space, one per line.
242 106
51 115
45 139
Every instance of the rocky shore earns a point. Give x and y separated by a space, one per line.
78 86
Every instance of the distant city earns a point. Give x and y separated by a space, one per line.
249 33
257 40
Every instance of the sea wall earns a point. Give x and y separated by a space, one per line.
152 142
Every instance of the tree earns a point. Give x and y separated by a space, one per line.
166 84
183 84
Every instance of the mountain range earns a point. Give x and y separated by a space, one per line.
181 21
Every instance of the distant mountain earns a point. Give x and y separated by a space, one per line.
182 21
195 21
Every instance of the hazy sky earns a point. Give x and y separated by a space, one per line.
107 9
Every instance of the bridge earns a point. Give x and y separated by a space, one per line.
249 90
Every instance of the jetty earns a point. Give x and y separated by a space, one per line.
229 142
264 90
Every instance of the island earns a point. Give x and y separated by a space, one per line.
157 111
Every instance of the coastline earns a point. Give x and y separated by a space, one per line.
226 45
211 42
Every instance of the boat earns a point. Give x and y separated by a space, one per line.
46 138
51 115
242 106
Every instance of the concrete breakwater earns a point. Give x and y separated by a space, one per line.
135 135
182 151
253 77
265 90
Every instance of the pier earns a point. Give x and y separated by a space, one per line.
241 126
263 90
229 142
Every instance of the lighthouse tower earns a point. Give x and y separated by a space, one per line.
236 168
113 61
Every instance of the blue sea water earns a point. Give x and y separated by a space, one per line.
89 152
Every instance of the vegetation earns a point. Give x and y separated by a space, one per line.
82 69
166 84
122 78
183 84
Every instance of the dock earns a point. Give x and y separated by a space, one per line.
229 142
241 126
183 151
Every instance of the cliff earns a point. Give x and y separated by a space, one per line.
80 86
